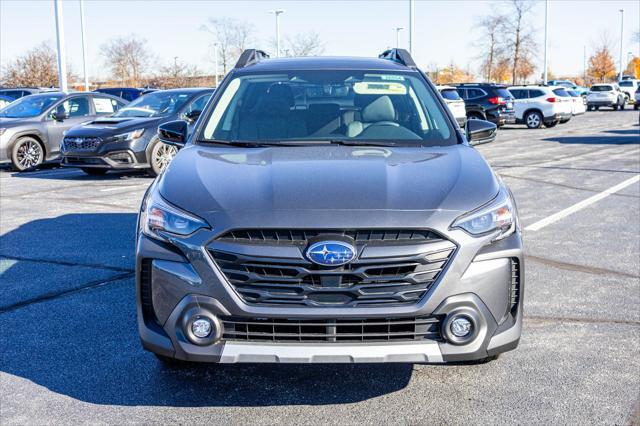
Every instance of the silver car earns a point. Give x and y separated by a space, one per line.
32 127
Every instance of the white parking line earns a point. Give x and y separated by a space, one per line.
581 205
116 188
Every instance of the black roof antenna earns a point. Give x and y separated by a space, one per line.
400 56
250 57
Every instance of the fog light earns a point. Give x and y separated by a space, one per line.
201 328
461 327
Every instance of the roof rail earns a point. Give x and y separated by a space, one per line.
250 57
400 56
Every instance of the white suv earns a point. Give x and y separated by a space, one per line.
629 87
455 103
607 95
538 105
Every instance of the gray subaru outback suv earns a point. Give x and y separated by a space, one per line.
328 210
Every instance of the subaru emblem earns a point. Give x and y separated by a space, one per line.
331 253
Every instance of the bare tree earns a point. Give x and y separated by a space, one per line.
177 74
490 43
304 44
520 42
37 67
127 57
231 37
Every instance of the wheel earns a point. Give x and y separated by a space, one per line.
615 107
533 119
161 156
26 153
622 105
597 108
551 124
589 108
93 171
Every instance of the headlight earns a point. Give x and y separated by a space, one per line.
497 216
2 130
129 136
158 218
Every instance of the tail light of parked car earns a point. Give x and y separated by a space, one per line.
497 100
552 99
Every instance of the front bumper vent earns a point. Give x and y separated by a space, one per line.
343 330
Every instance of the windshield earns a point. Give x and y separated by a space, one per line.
626 83
29 106
605 88
335 106
156 104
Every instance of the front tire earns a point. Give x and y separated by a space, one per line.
26 153
93 171
161 156
615 107
623 104
533 120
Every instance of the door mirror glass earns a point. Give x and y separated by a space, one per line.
192 115
60 114
173 133
480 131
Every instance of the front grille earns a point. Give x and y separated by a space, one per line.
83 160
515 283
342 330
303 235
80 144
402 277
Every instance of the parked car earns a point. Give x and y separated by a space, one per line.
126 93
565 101
579 105
487 101
455 103
629 87
538 105
19 92
31 128
328 210
581 90
128 139
605 95
5 100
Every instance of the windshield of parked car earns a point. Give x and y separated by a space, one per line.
332 106
30 106
603 88
155 104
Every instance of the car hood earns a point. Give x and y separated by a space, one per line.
328 186
109 126
12 122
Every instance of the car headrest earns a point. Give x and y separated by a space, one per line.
379 110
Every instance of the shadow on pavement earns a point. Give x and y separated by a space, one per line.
623 137
84 344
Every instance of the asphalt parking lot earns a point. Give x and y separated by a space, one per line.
71 354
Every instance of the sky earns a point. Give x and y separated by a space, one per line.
445 31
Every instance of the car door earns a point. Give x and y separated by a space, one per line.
78 109
520 100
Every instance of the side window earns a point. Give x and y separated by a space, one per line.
463 93
474 93
535 93
77 107
517 93
198 104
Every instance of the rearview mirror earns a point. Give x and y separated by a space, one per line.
192 115
480 131
173 133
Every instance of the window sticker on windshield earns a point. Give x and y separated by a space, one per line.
370 88
392 77
103 105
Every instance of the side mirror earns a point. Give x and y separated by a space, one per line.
60 114
193 115
173 133
480 131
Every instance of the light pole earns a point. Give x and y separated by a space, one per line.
621 40
397 30
584 65
62 63
411 27
84 47
277 12
546 39
215 55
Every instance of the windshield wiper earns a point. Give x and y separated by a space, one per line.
356 142
301 142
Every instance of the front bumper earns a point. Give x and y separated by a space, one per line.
117 160
603 102
185 281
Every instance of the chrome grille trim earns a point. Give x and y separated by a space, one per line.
80 143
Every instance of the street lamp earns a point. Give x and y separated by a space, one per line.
411 13
62 62
84 47
277 12
621 39
215 56
546 39
397 30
